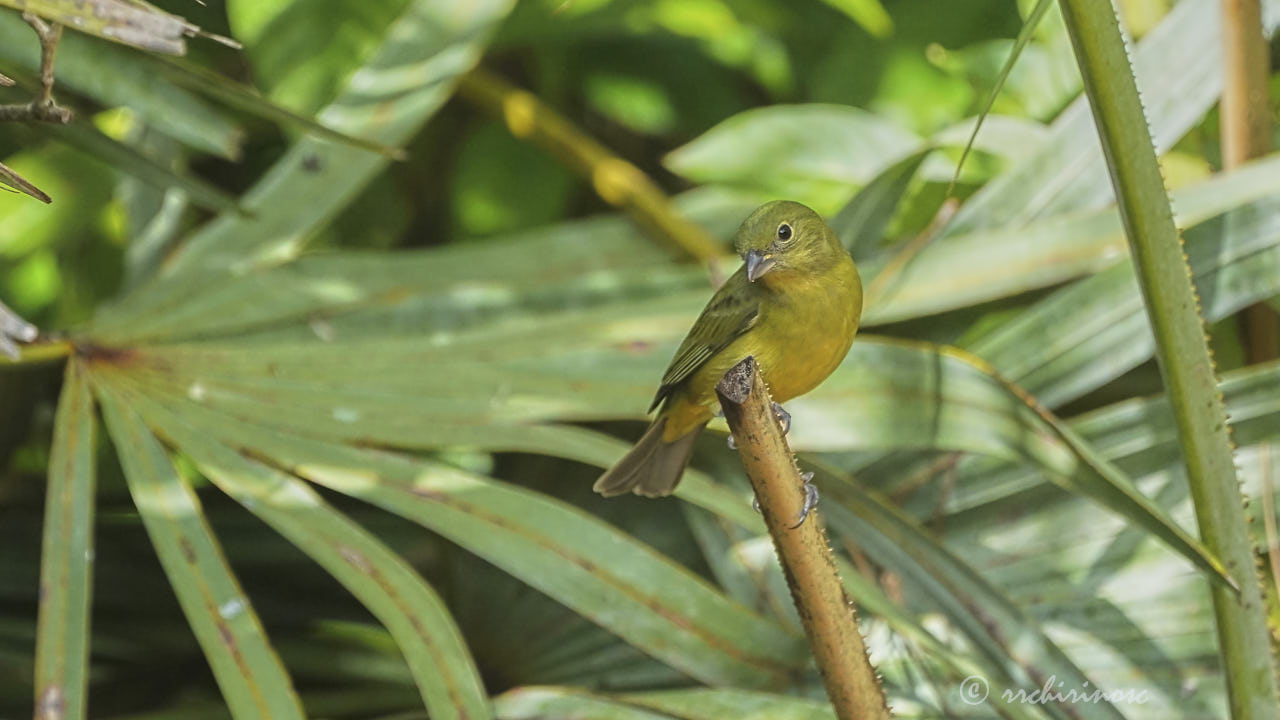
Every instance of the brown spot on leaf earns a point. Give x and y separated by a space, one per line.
103 355
188 551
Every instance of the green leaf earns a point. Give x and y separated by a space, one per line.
716 703
984 265
601 573
546 440
1069 172
1094 330
861 223
253 682
131 23
504 183
885 404
405 81
536 703
66 557
605 259
387 100
1011 643
577 263
278 32
126 159
1130 611
815 153
1137 435
907 396
1181 349
383 582
1009 138
870 14
1024 36
132 82
223 89
153 217
727 560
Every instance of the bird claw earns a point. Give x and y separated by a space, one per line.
811 498
783 416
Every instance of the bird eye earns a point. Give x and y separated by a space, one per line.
784 232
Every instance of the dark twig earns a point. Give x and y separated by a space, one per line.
829 619
11 178
50 34
42 108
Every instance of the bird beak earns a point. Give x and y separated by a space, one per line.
758 263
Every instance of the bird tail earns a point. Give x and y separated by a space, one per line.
653 467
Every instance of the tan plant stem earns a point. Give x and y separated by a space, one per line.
1245 115
1246 134
829 619
1245 107
615 180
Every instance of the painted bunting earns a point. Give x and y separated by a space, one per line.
794 305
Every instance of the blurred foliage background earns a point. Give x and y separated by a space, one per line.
412 369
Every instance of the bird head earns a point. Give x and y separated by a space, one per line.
784 237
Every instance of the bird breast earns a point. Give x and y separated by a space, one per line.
813 328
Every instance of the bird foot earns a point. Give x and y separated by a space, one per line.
784 418
811 498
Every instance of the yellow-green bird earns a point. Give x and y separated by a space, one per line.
794 305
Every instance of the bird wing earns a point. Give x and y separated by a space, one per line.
730 313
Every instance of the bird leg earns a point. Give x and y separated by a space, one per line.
810 498
783 416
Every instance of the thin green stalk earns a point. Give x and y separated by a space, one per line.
50 352
1181 349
